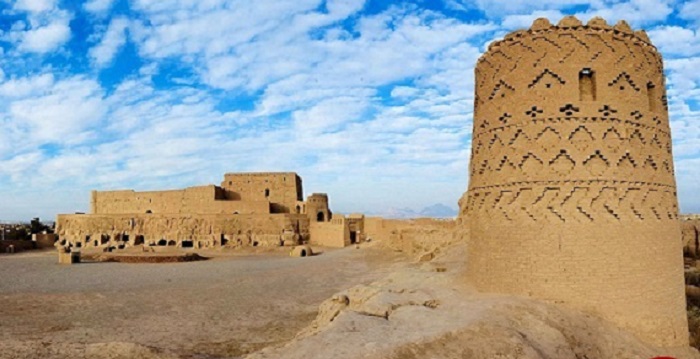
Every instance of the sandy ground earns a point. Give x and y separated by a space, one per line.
223 307
429 310
368 303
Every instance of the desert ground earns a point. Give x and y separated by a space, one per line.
403 300
223 307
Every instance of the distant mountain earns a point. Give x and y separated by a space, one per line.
437 210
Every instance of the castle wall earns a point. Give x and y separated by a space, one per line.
207 230
282 190
376 229
572 196
382 229
335 233
195 200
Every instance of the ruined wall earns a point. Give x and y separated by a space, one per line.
335 233
690 229
572 196
422 238
205 230
44 240
282 189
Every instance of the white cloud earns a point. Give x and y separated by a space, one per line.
690 10
45 38
676 40
98 6
514 22
112 40
404 91
505 7
45 28
34 5
25 86
520 13
377 104
636 12
49 111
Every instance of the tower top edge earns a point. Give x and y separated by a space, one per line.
572 23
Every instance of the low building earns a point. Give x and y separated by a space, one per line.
247 209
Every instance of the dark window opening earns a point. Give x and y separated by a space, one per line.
267 192
255 243
303 253
149 211
320 217
162 242
353 237
187 244
97 243
586 84
171 243
78 244
138 240
298 209
223 240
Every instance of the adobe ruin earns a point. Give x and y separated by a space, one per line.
572 196
247 209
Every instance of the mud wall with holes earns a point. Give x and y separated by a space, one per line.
201 231
572 196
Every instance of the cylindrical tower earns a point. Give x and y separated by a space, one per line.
572 196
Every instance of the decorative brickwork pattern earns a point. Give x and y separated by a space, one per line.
572 196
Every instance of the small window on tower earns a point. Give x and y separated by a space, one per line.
267 192
586 84
653 95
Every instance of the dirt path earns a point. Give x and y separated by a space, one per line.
223 307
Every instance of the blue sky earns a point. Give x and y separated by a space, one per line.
369 101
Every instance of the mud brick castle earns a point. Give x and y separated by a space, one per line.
248 209
572 196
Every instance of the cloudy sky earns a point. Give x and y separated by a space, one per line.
369 101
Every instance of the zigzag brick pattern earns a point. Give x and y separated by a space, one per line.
572 196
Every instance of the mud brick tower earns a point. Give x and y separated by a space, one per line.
572 196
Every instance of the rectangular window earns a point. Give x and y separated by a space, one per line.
586 85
